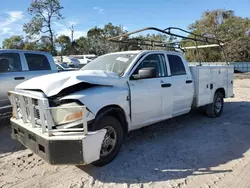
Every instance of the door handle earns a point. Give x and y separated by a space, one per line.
165 85
189 81
19 78
211 86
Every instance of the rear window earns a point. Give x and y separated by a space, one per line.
176 65
10 62
37 62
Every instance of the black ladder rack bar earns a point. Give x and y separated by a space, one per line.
167 31
209 41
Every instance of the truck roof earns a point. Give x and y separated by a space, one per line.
143 51
127 52
27 51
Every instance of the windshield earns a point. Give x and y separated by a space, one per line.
116 63
64 65
92 58
74 60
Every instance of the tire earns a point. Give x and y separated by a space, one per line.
114 126
215 109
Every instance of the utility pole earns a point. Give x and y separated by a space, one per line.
72 33
72 38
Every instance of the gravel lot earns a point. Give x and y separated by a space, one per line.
188 151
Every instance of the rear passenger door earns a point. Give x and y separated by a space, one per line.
37 65
11 74
182 85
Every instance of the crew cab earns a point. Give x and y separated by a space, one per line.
17 66
82 117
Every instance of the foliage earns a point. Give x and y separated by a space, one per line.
31 46
224 25
14 42
43 12
82 46
98 39
64 44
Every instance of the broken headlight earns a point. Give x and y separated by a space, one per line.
68 113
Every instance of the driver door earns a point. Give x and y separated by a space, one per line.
146 93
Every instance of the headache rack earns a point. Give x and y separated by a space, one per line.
177 44
35 112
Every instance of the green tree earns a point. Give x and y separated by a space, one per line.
44 44
44 12
64 44
82 45
14 42
98 39
224 25
31 46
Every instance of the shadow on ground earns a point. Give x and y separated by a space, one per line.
7 144
174 149
180 147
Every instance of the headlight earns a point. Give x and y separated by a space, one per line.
67 113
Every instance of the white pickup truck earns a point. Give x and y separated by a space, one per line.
82 117
17 66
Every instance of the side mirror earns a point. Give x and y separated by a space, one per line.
148 72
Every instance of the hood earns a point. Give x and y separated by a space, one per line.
52 84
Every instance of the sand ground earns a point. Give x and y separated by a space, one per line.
188 151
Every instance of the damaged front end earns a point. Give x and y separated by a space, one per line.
37 125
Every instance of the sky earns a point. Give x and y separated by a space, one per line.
131 14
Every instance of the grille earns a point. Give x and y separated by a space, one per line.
35 108
26 109
32 109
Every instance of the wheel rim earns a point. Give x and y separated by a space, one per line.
109 141
218 105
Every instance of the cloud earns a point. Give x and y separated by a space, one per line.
70 23
99 10
57 24
11 23
6 31
125 28
64 29
15 15
77 33
11 17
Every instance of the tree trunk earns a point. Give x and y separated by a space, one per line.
51 36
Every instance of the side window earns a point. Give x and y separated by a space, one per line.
37 62
156 61
10 62
176 65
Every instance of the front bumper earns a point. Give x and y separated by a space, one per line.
70 148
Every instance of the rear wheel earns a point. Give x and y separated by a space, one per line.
113 139
215 109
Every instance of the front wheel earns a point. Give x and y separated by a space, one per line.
113 139
215 109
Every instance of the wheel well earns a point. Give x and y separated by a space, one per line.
222 91
117 112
